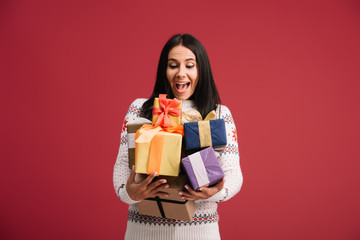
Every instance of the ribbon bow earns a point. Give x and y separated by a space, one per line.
167 106
148 131
195 116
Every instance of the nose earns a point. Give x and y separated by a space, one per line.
182 72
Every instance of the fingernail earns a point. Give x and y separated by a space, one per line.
133 167
154 173
186 186
166 186
200 189
163 180
182 197
166 195
180 193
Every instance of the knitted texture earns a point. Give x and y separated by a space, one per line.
205 218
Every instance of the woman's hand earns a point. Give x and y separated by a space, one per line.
145 189
204 192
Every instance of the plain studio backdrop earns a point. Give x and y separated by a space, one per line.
288 71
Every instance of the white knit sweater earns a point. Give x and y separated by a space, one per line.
205 221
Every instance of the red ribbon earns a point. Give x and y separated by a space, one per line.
167 106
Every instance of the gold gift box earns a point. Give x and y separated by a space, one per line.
170 154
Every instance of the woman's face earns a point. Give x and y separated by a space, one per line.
182 72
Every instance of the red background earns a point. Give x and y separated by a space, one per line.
289 72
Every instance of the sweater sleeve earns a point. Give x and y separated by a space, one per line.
229 160
121 168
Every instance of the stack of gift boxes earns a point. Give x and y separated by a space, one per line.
157 147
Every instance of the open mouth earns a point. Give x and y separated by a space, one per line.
182 87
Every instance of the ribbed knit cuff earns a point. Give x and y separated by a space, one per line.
124 196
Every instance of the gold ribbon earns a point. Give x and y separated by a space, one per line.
195 116
204 134
147 133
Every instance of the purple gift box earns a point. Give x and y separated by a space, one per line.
203 168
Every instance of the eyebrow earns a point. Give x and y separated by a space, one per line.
188 59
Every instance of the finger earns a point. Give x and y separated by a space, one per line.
132 175
190 190
217 187
208 192
185 195
189 198
160 188
189 195
213 190
148 180
155 184
160 194
220 185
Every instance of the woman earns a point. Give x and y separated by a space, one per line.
184 73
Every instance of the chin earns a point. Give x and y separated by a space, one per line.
182 97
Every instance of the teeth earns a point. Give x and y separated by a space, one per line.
182 86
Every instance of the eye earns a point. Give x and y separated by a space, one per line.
172 66
191 65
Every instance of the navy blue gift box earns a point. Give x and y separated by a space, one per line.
212 134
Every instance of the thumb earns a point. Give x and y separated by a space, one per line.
132 175
221 184
213 190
